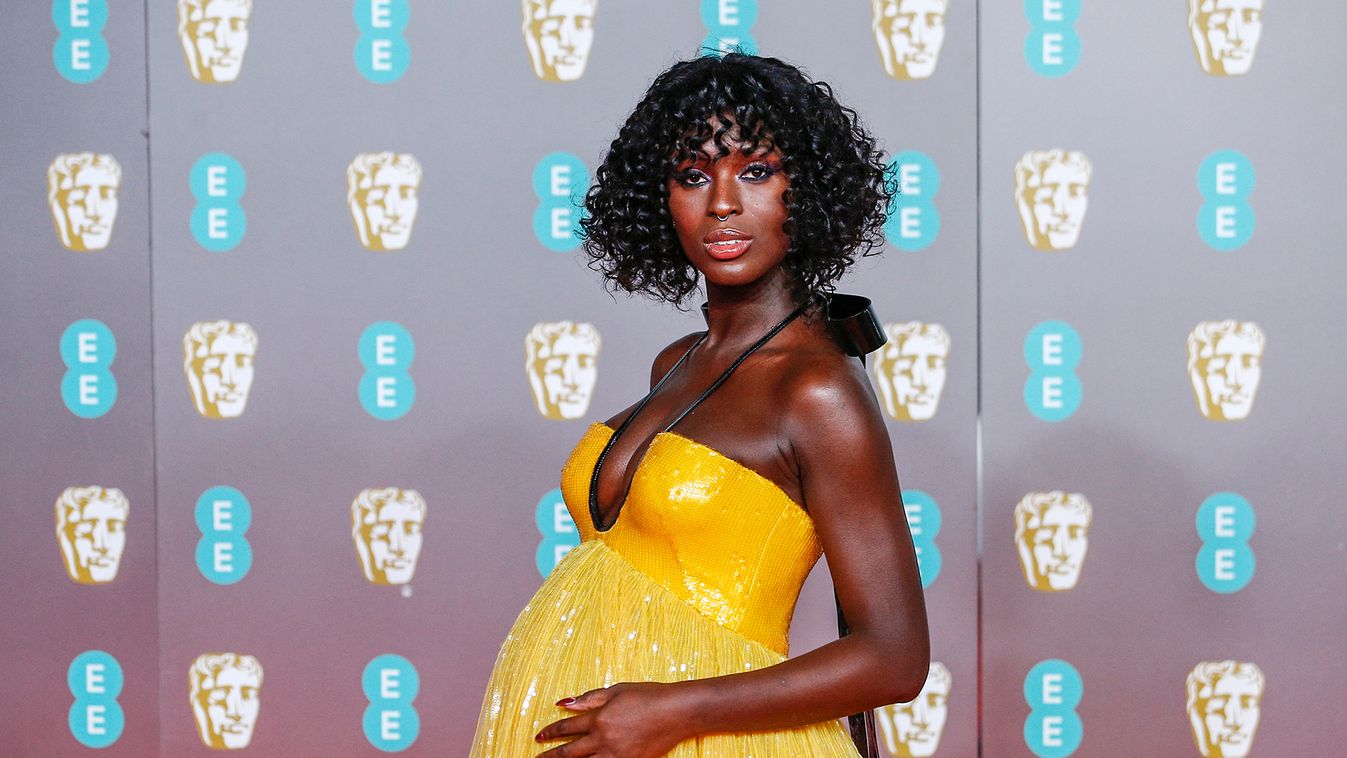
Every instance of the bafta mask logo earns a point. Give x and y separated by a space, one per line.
382 190
910 34
1051 192
91 530
559 34
218 358
1225 34
912 730
82 192
562 363
1052 532
1224 703
214 36
386 526
910 370
1225 366
226 698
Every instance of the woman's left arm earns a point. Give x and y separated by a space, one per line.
834 429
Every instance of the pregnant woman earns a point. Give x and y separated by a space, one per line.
703 506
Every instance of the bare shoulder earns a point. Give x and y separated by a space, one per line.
670 355
828 405
826 384
838 441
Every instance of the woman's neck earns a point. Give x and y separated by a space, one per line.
737 315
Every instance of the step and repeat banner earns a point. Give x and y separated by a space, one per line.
1162 549
297 337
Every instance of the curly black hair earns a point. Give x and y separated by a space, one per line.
840 187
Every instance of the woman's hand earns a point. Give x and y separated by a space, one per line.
627 720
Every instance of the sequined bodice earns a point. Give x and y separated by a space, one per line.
718 535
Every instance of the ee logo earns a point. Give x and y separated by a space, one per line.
218 221
1052 47
558 531
390 722
1053 689
923 520
80 53
386 351
1225 563
88 388
95 679
223 554
560 182
1052 391
1226 219
729 26
913 221
381 53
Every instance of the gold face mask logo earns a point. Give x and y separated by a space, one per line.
1225 366
561 359
226 693
218 359
82 192
910 34
386 525
912 730
1051 193
1224 703
910 370
1225 34
1052 533
214 37
382 191
559 34
91 531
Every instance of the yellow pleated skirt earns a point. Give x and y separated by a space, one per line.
597 621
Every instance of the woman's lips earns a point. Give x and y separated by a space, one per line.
726 244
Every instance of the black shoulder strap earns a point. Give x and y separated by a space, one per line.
724 376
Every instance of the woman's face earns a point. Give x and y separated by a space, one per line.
746 191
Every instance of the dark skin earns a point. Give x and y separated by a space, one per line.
801 413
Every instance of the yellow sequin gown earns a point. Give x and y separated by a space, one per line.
698 577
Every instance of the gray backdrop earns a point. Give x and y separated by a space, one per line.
474 278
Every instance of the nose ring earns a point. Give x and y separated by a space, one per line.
726 217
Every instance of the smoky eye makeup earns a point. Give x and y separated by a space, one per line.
689 177
761 170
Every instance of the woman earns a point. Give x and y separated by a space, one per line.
664 631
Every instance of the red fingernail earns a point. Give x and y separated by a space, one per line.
565 701
538 737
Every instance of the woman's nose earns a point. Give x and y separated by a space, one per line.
724 199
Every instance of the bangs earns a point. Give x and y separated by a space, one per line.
725 127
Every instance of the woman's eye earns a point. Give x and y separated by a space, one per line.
758 171
691 178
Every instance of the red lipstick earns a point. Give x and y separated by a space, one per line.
726 244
